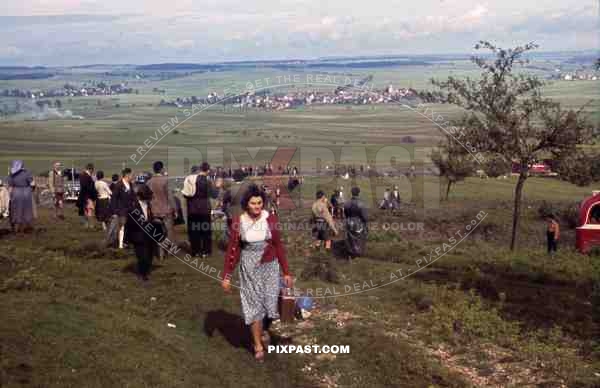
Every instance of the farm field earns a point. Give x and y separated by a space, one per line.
475 315
113 127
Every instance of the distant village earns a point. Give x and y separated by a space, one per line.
68 90
578 75
291 100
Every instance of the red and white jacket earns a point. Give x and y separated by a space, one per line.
274 249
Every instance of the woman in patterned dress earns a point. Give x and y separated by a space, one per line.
256 243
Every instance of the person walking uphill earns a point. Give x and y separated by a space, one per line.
103 212
163 205
122 202
21 198
198 196
138 225
355 213
57 188
552 234
323 221
256 244
87 196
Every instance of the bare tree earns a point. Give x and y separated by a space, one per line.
507 115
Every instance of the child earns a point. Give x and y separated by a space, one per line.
140 234
552 234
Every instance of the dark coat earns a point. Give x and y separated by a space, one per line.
122 201
199 204
87 190
138 230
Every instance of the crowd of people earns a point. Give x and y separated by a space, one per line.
127 210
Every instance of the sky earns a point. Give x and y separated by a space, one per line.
78 32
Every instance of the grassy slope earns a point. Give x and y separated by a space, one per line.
75 315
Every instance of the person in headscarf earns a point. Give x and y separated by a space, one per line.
356 216
4 200
20 183
57 188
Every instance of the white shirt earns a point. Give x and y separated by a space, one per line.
253 231
127 186
102 189
189 185
144 206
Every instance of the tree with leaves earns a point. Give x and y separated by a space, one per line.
581 169
496 166
507 115
453 162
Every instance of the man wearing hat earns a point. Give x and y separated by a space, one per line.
57 188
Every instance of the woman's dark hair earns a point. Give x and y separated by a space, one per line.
115 177
355 191
320 194
100 175
252 191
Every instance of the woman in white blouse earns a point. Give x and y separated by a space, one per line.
103 201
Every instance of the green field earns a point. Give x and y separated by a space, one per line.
115 126
73 313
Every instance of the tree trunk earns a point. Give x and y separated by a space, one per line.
448 188
517 207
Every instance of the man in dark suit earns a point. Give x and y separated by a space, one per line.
199 212
141 232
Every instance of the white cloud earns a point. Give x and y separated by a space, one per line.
148 30
181 44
